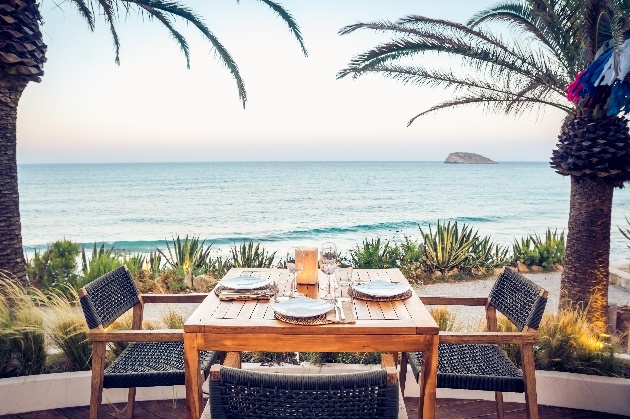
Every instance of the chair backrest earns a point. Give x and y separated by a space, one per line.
251 394
108 297
519 299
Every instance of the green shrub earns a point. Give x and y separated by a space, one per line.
485 256
533 251
134 263
56 265
217 267
249 256
102 261
374 254
22 346
319 358
172 281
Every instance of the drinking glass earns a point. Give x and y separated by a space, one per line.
295 264
328 264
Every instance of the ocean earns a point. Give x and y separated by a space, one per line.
137 206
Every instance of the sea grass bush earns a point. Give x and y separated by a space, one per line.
22 333
102 261
188 255
248 255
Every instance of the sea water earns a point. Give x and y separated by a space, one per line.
137 207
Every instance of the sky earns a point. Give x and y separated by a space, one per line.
151 108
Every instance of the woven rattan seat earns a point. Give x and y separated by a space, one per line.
473 367
251 394
482 365
153 358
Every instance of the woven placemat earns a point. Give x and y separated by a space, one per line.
219 288
363 296
304 321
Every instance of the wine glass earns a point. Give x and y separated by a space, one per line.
328 264
295 264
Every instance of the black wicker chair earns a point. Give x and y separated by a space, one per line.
473 361
153 358
236 393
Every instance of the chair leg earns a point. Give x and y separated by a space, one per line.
131 400
402 377
529 380
98 364
498 396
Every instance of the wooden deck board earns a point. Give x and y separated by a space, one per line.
446 409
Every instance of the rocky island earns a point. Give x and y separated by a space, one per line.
467 158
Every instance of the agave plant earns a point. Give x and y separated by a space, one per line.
448 247
485 255
250 256
532 250
187 255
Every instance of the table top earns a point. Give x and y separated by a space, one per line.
404 317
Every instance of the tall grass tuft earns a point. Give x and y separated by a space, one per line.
444 318
68 330
103 260
375 254
22 346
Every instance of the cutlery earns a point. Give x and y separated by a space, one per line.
336 313
340 306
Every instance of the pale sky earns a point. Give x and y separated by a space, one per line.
152 109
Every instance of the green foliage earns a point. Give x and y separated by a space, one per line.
103 260
134 263
154 263
448 247
374 254
364 358
270 358
485 256
626 231
250 256
173 281
532 250
57 265
188 255
217 267
172 319
22 346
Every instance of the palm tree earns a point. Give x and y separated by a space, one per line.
22 56
553 41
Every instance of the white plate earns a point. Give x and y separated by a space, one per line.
382 288
244 282
302 307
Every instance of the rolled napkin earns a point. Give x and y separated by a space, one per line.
348 311
243 296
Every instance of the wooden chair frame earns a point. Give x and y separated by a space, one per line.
99 337
526 339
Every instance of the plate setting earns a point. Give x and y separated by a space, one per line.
244 282
302 307
382 288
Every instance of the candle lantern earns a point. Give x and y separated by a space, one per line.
308 275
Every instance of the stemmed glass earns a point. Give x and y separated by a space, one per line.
295 264
328 264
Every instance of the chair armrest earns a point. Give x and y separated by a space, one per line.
497 338
432 300
158 335
173 298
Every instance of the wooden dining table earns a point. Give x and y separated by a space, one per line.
236 326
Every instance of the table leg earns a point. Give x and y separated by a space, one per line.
429 380
191 373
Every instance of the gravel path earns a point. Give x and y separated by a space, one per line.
469 316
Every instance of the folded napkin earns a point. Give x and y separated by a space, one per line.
348 311
243 296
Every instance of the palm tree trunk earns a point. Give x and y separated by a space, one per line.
11 253
585 277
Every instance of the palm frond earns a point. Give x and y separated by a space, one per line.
110 17
178 37
179 10
289 20
85 11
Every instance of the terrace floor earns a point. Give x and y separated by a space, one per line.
446 409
